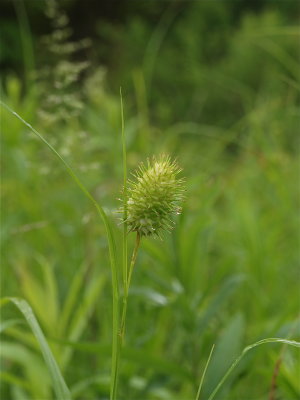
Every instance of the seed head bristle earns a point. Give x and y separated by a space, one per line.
154 196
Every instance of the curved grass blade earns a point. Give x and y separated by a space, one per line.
61 390
110 237
246 349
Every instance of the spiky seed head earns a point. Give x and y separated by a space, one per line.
154 197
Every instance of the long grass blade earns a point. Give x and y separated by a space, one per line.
61 390
116 364
125 250
109 232
246 349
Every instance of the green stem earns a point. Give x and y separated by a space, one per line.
117 354
125 264
121 332
126 289
125 298
133 259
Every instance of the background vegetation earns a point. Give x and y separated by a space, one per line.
215 84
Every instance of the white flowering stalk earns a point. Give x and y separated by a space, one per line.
154 197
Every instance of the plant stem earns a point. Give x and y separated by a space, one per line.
121 332
126 289
117 334
125 263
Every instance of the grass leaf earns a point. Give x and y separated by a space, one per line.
82 314
61 390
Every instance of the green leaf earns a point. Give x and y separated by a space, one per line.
15 380
72 297
8 324
61 390
42 296
34 371
81 387
246 349
219 300
144 359
82 314
227 349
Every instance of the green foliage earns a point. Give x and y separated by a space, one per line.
59 385
217 87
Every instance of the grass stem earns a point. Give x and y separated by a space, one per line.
121 332
126 289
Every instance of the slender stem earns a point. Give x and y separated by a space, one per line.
133 259
125 255
117 355
126 289
121 332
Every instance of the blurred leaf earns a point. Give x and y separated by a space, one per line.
143 358
72 298
152 296
9 323
226 350
82 314
15 380
51 291
37 376
219 300
81 386
246 349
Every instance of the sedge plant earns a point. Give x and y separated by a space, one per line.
149 202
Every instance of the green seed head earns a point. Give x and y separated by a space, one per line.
154 197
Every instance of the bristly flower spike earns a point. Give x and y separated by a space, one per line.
154 196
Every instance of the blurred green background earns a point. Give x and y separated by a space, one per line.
213 83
